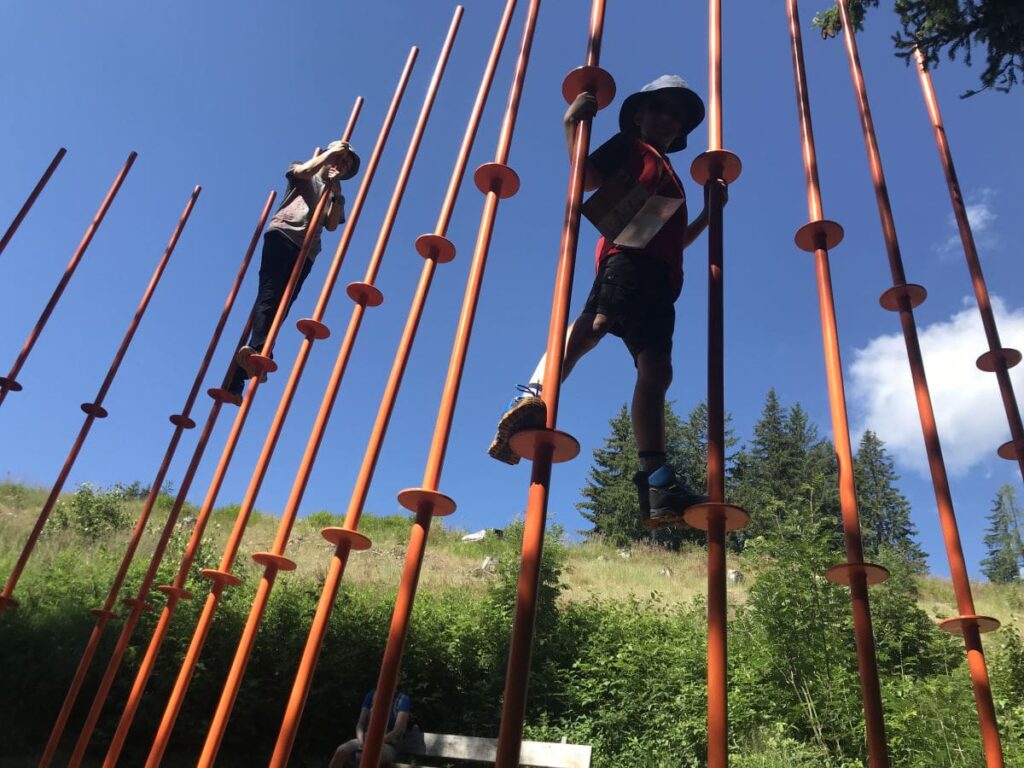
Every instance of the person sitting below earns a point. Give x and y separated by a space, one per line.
398 720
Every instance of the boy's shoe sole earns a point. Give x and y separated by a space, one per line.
242 361
528 413
672 513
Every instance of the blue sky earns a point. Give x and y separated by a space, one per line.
226 96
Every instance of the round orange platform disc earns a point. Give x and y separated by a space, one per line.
527 442
436 247
102 614
916 294
699 516
270 560
497 178
221 395
220 577
988 361
9 384
665 521
593 80
413 499
262 364
355 540
175 592
134 602
956 624
1009 450
843 573
97 411
818 234
365 294
312 329
716 164
183 421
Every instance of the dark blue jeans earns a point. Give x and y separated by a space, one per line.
276 264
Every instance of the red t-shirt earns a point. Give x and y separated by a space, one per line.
652 169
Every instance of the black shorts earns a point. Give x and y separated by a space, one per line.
635 291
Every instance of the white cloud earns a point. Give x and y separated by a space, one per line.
966 400
981 216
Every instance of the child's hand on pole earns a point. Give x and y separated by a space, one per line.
583 107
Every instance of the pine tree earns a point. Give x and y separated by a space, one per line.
884 511
1003 539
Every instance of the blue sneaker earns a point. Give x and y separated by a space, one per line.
525 411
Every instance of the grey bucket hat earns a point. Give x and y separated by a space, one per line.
693 107
354 166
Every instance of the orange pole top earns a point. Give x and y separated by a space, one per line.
33 195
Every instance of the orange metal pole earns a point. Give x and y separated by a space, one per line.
902 298
33 195
93 411
138 604
435 249
222 576
549 445
497 181
106 613
714 170
364 294
816 237
998 359
9 383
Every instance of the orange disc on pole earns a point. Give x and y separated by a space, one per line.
497 178
593 80
134 602
989 360
102 613
220 577
716 164
957 624
9 384
913 293
843 573
415 499
176 593
270 560
365 294
436 247
183 421
262 364
527 442
222 395
355 540
313 329
815 235
94 409
701 515
1010 450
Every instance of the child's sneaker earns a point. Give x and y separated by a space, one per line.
526 411
242 361
668 496
643 492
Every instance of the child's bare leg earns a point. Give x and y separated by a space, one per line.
653 376
584 334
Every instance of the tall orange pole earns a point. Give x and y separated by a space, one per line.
106 613
497 181
435 249
817 237
9 383
364 294
93 411
548 445
902 298
222 576
33 195
998 359
138 604
714 170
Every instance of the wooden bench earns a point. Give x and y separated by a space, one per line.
476 749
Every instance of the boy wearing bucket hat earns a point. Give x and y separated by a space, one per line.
640 209
283 240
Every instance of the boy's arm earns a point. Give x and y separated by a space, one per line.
364 720
396 733
309 168
583 107
336 208
700 223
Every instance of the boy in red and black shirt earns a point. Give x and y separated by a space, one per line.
639 273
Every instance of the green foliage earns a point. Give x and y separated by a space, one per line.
1003 539
953 27
92 512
